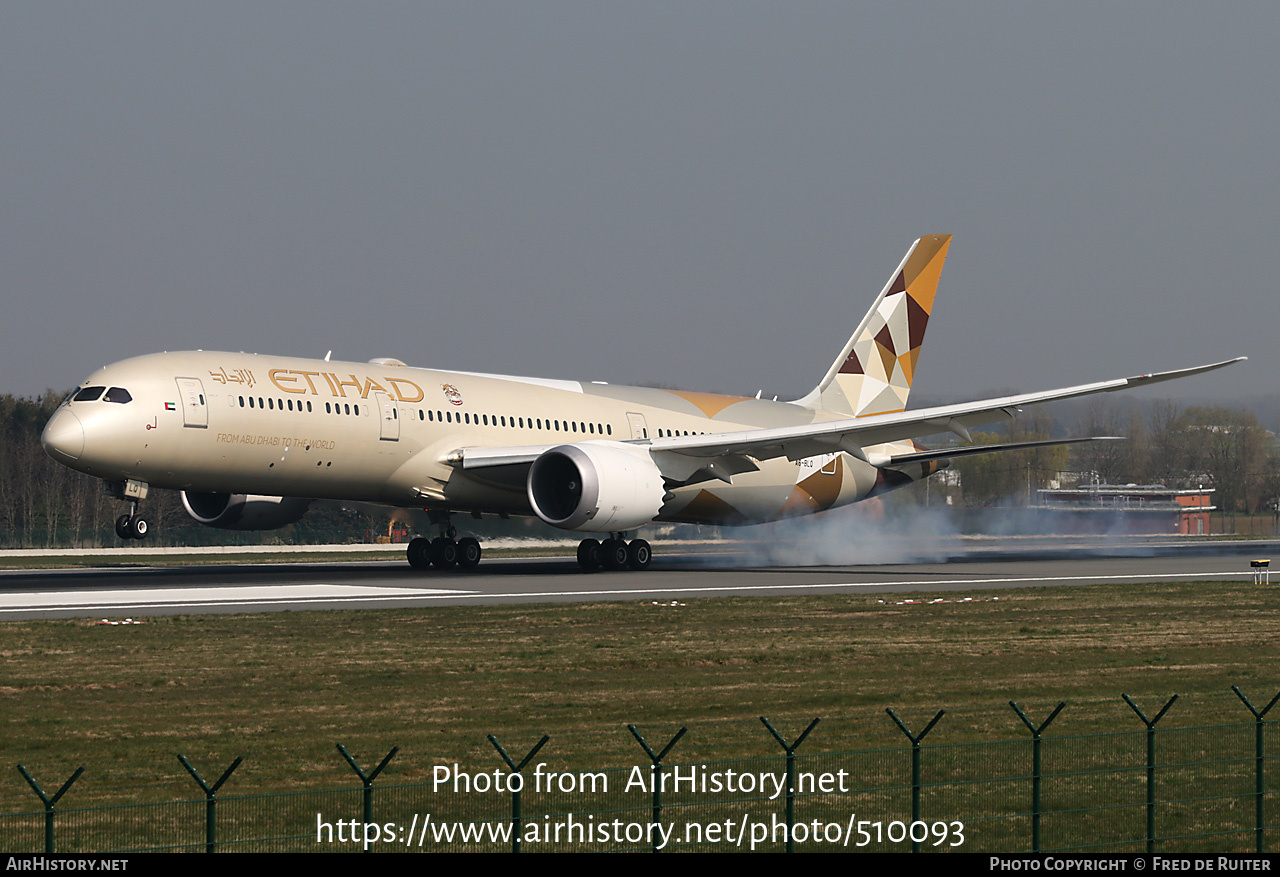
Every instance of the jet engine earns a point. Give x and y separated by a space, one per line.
602 487
239 511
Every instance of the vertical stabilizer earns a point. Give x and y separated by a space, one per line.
873 374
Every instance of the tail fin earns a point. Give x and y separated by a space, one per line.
873 373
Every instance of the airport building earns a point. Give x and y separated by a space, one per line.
1127 508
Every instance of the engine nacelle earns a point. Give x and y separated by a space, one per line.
602 487
239 511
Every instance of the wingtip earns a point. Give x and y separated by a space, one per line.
1157 377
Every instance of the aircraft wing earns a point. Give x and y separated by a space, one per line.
855 433
722 455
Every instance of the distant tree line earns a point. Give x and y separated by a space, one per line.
1201 446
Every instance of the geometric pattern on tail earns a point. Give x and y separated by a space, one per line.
876 376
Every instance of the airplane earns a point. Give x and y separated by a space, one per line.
252 440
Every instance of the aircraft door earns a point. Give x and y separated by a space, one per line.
390 416
195 408
639 429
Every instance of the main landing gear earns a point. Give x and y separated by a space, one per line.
132 525
614 553
446 550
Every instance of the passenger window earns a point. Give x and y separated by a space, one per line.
88 394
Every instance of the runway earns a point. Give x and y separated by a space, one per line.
203 588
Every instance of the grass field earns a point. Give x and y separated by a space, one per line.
282 688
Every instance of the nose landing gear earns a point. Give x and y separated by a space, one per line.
132 525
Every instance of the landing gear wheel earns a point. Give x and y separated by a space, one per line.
468 552
444 553
589 555
419 553
122 527
139 527
639 555
613 554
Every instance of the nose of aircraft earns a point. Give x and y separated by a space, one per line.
63 435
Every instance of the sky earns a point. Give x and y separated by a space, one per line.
703 195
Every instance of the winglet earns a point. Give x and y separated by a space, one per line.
1157 377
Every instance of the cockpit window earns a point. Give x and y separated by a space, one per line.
88 394
118 394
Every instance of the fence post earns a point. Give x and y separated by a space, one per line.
1259 718
210 800
515 791
790 749
656 773
368 782
915 766
1151 766
49 802
1035 768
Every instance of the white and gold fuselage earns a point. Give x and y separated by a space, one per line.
386 433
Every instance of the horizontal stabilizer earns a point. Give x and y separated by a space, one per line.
973 450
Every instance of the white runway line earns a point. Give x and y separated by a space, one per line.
809 586
195 598
203 596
